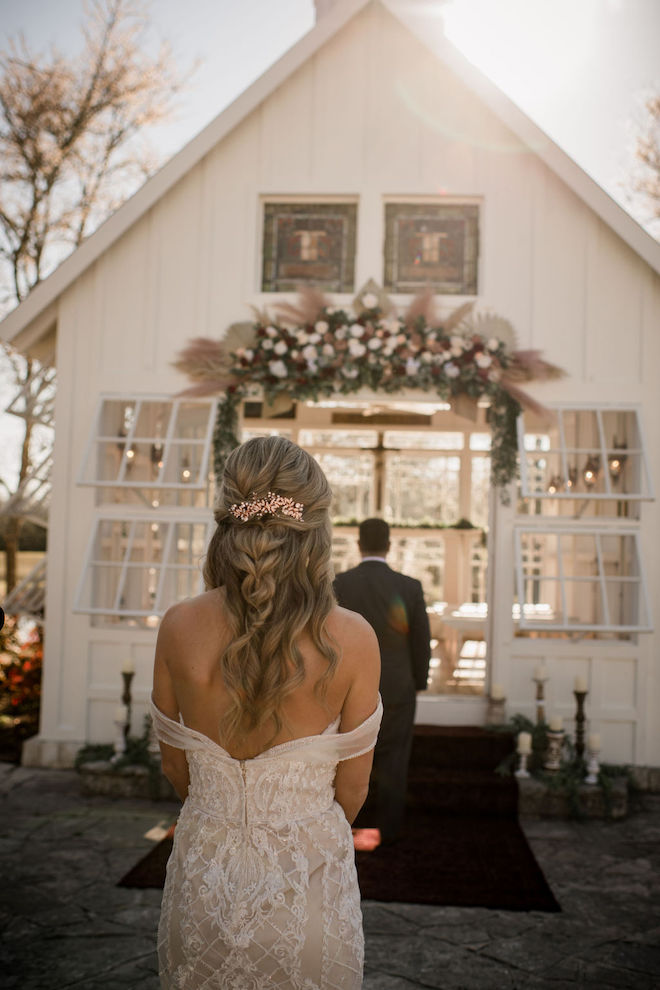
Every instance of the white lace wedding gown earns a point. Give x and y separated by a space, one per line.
261 889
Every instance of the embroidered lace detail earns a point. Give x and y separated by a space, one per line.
261 890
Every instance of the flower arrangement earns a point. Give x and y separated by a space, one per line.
21 656
316 349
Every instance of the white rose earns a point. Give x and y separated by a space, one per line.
456 350
412 366
483 360
375 344
309 353
427 357
328 350
369 300
249 353
271 331
302 337
277 368
493 344
356 348
295 354
340 333
401 338
314 338
267 344
280 347
452 370
312 366
391 325
457 341
321 327
357 330
349 372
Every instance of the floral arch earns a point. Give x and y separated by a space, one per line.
314 349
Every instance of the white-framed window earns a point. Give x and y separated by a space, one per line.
578 557
153 442
136 568
581 579
596 453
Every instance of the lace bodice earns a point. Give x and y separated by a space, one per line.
261 890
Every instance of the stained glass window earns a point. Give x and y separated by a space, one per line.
309 244
431 244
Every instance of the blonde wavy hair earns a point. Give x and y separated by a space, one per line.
277 575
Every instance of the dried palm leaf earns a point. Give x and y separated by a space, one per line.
207 363
422 305
490 325
457 317
305 311
527 366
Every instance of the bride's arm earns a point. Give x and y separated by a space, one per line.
361 652
174 762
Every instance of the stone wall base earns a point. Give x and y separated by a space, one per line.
100 777
57 753
536 800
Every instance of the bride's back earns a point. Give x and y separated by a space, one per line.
199 632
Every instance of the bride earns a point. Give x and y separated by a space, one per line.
266 707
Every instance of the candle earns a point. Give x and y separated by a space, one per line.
580 684
593 742
128 666
524 742
556 723
541 672
121 714
496 692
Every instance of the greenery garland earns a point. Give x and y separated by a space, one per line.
330 351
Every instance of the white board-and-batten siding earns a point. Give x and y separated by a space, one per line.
372 116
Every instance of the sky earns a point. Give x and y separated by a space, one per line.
580 68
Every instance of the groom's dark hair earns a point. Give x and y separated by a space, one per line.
374 536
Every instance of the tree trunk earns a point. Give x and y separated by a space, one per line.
12 533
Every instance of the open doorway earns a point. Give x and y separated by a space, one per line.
426 470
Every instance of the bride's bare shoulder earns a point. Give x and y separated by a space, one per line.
351 630
195 615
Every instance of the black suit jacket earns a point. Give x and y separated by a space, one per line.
393 604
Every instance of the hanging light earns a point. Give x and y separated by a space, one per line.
616 460
572 477
130 453
556 484
591 470
185 469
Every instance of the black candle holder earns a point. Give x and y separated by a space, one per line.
579 723
127 698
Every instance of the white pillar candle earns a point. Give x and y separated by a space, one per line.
121 714
541 672
556 723
580 684
593 742
496 692
524 742
128 666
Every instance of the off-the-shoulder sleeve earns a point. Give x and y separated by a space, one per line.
359 741
174 734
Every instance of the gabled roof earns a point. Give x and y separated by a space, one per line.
37 313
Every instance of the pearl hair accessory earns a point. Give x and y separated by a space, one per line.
269 504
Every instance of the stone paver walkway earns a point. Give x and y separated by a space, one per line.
66 925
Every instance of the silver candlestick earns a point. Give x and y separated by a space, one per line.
552 761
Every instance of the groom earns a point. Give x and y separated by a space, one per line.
394 605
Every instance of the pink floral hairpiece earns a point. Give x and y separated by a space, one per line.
269 504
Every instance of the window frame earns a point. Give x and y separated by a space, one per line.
125 565
645 494
600 578
168 441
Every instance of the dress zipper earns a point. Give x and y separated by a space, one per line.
244 776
